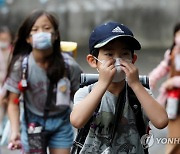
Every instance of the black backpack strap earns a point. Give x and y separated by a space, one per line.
136 107
122 98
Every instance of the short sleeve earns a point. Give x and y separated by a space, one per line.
11 83
81 94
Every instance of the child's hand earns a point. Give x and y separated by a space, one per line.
131 72
107 71
15 141
15 146
167 85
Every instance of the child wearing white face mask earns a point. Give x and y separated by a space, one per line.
112 48
46 80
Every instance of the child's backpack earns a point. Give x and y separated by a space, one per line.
87 79
69 48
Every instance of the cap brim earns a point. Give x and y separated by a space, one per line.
133 42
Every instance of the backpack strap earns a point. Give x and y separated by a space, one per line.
122 98
23 83
67 67
67 71
136 107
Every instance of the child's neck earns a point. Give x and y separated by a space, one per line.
116 88
41 58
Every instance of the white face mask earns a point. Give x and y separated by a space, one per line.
42 40
119 75
177 62
4 45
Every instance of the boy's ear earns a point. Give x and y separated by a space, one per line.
92 62
134 58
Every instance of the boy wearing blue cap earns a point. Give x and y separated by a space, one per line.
114 126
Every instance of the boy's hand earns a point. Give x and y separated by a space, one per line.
107 71
131 72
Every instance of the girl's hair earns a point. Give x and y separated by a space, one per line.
176 28
56 69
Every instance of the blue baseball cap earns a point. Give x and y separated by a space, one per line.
107 32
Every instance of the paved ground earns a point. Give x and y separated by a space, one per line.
147 60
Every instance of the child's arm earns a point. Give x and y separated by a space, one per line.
82 111
160 71
155 112
13 113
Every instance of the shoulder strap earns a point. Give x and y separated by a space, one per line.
136 107
24 76
67 71
66 63
118 111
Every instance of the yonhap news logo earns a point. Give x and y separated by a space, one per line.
147 140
